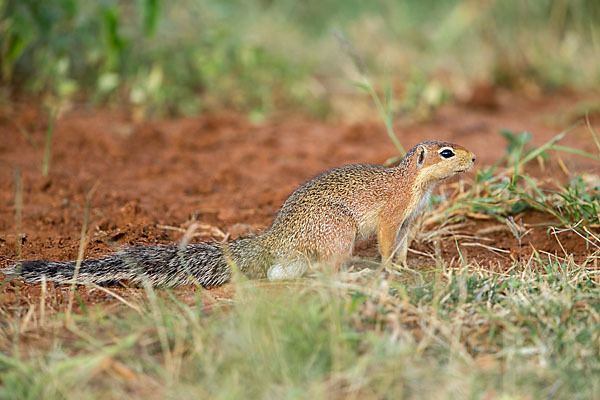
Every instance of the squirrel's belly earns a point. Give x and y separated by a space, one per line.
291 270
367 225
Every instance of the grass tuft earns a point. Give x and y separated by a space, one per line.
504 190
456 332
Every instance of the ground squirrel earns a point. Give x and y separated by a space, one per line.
321 221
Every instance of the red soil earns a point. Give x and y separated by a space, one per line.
232 176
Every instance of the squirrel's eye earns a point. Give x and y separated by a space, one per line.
447 153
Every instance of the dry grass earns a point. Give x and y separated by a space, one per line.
454 331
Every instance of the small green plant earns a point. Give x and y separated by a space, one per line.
504 190
581 201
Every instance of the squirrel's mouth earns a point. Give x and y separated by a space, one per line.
460 171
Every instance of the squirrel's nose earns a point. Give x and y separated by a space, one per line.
473 159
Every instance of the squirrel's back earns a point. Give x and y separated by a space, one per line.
327 205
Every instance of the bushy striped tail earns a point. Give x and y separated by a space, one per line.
206 264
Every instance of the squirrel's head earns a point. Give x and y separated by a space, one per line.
436 160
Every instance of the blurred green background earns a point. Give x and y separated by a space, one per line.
265 56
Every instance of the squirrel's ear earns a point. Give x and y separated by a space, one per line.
421 151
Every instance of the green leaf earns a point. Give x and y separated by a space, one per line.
151 11
543 147
574 151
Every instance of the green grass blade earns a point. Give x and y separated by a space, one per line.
543 148
574 151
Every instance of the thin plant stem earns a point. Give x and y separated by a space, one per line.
19 209
82 243
385 111
47 152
